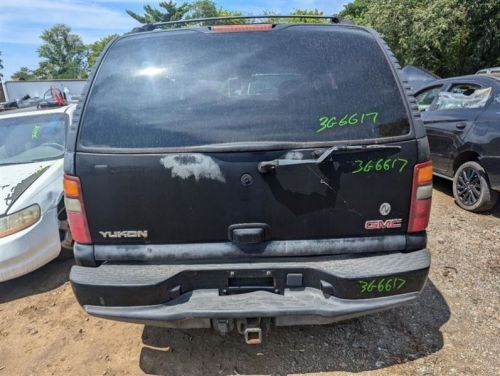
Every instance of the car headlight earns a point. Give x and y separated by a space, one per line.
20 220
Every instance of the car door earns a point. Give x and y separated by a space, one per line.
447 121
484 136
437 139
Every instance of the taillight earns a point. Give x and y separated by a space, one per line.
238 28
75 210
421 197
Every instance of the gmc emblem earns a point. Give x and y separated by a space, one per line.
380 224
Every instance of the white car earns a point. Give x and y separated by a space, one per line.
33 226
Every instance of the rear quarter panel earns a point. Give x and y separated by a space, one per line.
484 137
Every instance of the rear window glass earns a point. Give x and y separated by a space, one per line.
460 98
425 99
190 88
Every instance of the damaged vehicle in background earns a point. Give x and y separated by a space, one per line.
417 77
495 71
52 97
462 118
33 225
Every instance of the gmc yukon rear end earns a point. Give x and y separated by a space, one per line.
243 177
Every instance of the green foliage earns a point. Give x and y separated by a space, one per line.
299 12
63 54
203 9
95 49
483 47
23 74
45 71
230 13
356 11
174 12
171 12
208 8
448 37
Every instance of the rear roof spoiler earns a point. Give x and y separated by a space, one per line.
334 19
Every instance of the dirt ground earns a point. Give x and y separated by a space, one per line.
453 329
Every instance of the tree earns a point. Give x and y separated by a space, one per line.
298 19
23 74
203 9
449 37
356 11
483 47
172 12
45 71
208 8
63 53
95 49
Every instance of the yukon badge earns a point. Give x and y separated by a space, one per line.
380 224
134 234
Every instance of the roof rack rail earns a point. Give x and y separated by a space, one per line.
149 27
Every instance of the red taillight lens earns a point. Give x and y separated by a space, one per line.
75 210
421 197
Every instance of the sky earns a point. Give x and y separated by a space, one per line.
22 21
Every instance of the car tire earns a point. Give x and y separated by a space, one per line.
471 188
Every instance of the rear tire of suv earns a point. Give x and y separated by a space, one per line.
471 188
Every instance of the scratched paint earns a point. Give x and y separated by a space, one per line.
14 177
198 166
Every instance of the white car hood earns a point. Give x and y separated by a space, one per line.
15 179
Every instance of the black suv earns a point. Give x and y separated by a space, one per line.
246 176
462 119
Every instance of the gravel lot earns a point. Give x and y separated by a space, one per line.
453 329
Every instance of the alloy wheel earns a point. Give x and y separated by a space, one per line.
469 186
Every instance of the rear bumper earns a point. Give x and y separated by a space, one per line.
292 291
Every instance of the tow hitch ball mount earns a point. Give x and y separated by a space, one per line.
251 328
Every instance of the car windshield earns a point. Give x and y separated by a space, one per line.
186 88
32 138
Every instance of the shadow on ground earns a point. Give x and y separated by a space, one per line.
381 340
446 186
443 185
47 278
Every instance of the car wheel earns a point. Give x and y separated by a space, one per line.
471 188
64 234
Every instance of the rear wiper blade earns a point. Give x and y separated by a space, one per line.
268 166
